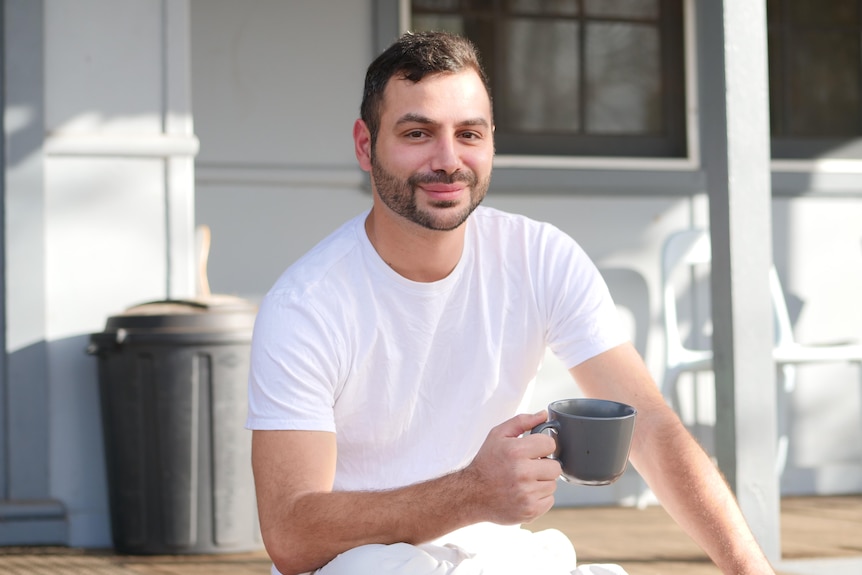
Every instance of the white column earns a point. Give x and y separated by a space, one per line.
734 88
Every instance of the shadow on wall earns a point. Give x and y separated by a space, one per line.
27 419
55 449
78 476
631 295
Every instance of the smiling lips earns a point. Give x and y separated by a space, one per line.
443 192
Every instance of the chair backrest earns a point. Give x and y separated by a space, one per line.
691 248
682 250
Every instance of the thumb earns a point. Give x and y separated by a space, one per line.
521 423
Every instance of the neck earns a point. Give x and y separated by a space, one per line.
416 253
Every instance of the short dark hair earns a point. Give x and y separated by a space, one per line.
414 56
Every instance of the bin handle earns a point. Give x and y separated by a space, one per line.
120 337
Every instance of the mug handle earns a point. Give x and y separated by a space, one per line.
552 425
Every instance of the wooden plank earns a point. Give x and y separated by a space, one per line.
649 542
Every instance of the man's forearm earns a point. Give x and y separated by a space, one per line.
695 494
320 525
680 473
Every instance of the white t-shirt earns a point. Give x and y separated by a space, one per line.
411 376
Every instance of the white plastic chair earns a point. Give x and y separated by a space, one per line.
690 251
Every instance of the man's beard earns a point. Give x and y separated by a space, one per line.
400 196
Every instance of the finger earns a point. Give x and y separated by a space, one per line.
548 469
537 445
545 504
521 423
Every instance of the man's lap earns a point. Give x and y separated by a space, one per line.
483 549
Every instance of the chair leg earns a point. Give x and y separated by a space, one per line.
670 389
787 384
859 365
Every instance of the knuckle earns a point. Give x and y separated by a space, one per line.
548 444
552 468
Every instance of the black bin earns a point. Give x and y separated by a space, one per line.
172 378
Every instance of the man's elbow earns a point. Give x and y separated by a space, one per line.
287 567
290 554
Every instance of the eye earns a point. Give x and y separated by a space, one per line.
471 135
415 134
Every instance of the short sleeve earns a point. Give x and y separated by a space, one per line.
582 318
294 367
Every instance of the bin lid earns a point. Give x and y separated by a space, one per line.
212 313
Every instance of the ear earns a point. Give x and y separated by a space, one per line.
362 144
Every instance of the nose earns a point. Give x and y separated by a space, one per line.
445 157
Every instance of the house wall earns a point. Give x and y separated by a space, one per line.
275 83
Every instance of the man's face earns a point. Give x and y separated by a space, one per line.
432 160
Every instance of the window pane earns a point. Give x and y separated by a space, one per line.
483 6
820 13
773 11
567 7
447 5
538 87
776 96
622 8
823 82
622 75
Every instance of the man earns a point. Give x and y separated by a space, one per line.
389 364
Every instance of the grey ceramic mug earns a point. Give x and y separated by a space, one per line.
593 438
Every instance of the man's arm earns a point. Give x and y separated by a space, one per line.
679 472
305 524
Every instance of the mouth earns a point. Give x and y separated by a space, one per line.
443 192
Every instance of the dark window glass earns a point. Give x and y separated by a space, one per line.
533 97
623 79
815 74
576 77
623 8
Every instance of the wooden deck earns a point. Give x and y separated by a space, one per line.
820 536
648 542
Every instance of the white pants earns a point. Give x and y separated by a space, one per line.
483 549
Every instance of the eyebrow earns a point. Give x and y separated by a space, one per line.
412 117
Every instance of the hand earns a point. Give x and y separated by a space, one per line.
511 480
